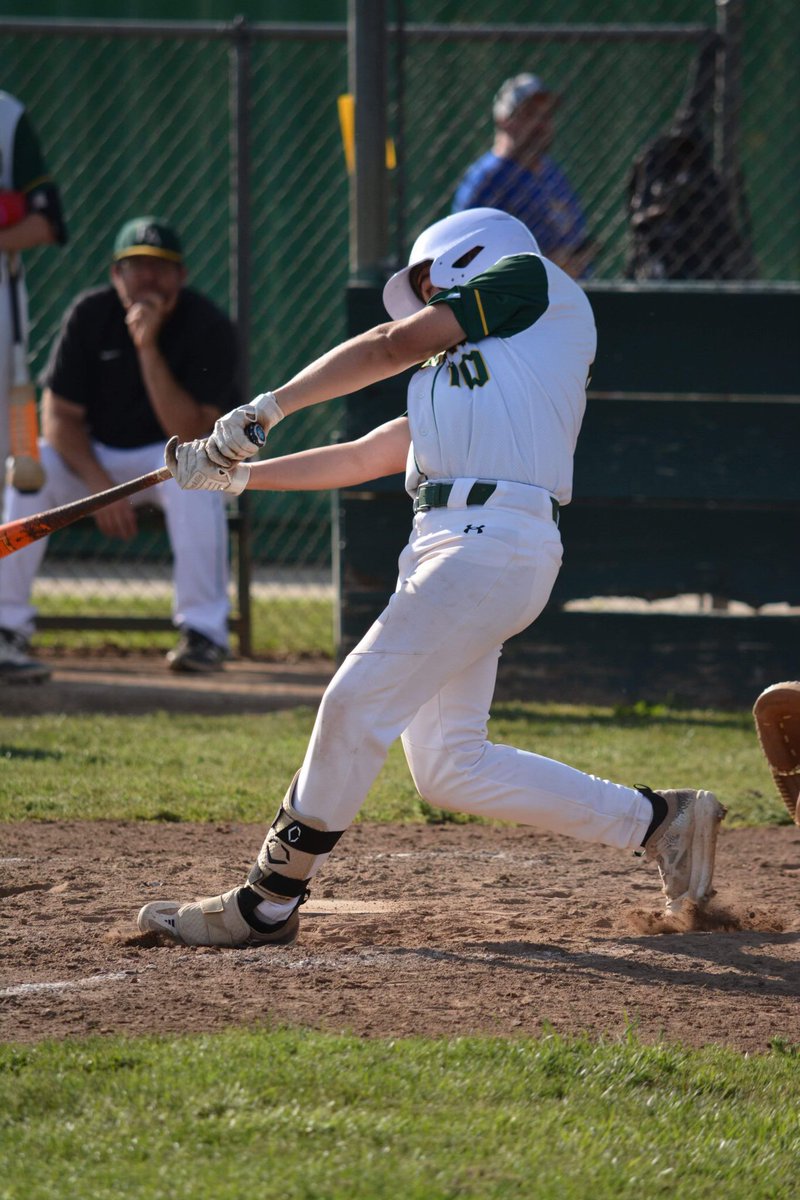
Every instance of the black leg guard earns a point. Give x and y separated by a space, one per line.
293 851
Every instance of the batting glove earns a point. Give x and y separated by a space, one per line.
229 442
192 469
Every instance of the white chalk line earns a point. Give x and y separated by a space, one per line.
308 962
501 856
287 960
64 985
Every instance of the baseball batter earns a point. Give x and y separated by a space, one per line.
30 215
506 340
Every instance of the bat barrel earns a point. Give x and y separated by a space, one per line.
15 535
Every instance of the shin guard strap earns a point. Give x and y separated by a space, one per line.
248 902
276 885
299 836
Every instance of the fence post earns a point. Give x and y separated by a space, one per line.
366 48
399 191
728 90
240 288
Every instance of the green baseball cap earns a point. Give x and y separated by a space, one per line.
149 236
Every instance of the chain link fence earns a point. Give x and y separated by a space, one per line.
231 132
675 180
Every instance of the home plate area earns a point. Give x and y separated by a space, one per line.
437 930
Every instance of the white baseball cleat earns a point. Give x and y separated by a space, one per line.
214 921
683 847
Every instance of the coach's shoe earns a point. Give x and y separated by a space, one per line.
16 664
195 652
684 844
218 921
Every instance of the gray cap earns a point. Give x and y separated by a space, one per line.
514 91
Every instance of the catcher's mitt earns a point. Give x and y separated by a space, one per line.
777 717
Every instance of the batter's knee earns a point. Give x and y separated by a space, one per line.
440 774
357 703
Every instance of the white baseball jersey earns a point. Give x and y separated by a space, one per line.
507 403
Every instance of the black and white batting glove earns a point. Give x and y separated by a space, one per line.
192 469
229 442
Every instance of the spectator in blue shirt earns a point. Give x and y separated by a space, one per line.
519 176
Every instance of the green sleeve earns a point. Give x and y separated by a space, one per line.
28 167
30 175
509 297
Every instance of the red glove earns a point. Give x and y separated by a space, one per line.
12 208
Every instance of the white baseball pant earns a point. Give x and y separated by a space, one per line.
469 579
196 527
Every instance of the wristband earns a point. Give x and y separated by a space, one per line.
239 479
12 208
268 410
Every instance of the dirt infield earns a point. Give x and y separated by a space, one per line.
441 930
436 930
110 682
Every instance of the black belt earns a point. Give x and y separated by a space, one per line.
436 495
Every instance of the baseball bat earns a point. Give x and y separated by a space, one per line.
15 535
24 470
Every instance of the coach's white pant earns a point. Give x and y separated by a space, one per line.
196 527
468 579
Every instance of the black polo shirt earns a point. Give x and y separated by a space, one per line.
94 363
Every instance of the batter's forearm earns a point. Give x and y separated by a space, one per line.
353 365
381 452
308 471
370 357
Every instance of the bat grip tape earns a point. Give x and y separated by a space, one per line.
13 289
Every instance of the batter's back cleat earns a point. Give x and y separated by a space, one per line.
683 846
217 921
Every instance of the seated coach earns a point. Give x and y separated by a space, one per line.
135 363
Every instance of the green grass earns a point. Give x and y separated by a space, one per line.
178 767
302 1114
282 627
298 1114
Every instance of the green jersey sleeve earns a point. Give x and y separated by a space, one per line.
29 166
509 297
30 175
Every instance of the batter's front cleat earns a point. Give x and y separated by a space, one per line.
217 921
683 846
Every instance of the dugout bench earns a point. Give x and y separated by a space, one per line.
686 482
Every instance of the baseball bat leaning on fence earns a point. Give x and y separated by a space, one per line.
24 469
16 535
